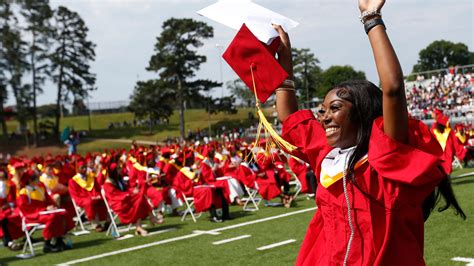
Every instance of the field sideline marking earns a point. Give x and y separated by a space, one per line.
129 249
230 239
183 237
461 259
277 244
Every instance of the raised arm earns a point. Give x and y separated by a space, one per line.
395 112
286 103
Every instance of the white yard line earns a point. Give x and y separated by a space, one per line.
463 175
120 251
202 232
127 236
230 239
277 244
263 219
470 261
161 231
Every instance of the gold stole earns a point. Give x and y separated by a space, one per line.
188 173
442 137
220 157
139 167
87 184
33 193
50 183
327 180
462 138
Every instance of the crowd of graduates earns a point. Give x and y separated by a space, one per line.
139 183
143 182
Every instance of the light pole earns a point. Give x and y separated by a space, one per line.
89 113
220 48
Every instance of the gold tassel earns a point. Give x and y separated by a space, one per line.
270 134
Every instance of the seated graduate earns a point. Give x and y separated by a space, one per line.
206 197
56 183
131 206
33 199
85 190
212 172
10 220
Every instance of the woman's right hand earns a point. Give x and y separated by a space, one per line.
286 103
285 57
369 5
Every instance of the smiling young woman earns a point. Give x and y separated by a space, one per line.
378 169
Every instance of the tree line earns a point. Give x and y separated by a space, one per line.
52 44
38 44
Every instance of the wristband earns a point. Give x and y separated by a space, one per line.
288 83
372 23
285 89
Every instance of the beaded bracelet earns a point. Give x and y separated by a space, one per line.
365 14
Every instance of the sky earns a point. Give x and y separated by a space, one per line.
125 32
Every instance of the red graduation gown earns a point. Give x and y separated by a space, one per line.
56 225
127 205
246 175
13 217
138 177
388 228
208 176
268 187
300 170
83 199
460 144
204 196
451 148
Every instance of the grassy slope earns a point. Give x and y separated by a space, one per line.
194 119
446 236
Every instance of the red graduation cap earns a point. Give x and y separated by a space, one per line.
81 162
459 127
442 119
247 56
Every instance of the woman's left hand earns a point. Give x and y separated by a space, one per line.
369 5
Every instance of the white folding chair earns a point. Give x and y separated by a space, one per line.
189 202
296 182
29 229
457 163
151 205
113 229
251 198
78 220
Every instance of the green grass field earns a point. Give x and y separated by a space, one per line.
446 237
